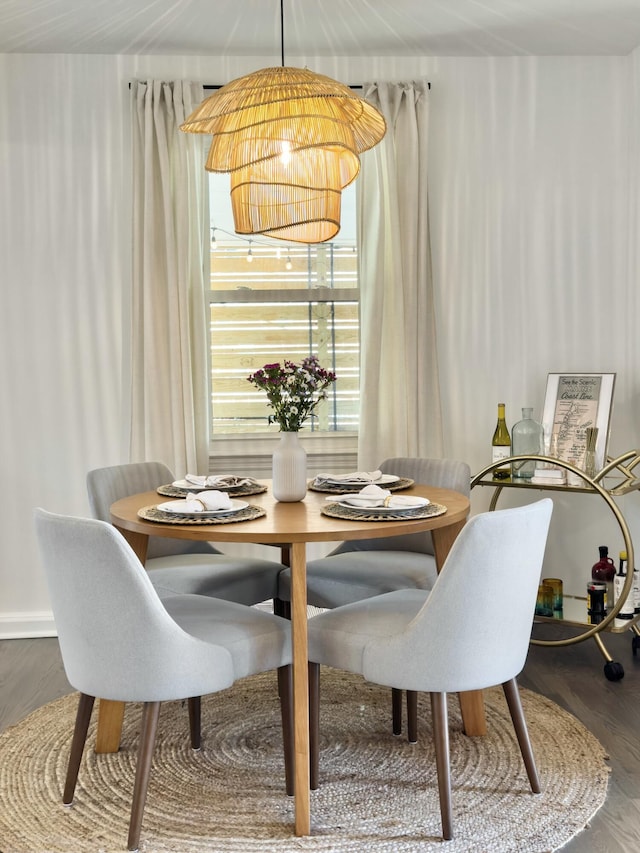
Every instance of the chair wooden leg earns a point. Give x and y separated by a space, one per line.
412 716
285 691
443 767
512 695
150 714
314 724
83 718
283 609
195 717
279 607
396 711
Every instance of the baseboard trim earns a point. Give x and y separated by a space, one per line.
22 626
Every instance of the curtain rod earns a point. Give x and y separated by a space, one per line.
219 86
208 86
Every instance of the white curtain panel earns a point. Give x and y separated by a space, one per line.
170 231
399 390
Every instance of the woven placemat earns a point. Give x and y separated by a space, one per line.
353 513
171 491
350 488
152 513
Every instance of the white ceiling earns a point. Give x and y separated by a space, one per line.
321 27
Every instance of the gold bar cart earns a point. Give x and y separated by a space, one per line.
617 477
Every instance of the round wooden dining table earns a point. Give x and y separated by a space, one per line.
290 526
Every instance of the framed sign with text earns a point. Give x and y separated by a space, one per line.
573 402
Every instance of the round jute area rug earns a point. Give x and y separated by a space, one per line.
377 792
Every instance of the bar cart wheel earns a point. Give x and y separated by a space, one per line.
613 670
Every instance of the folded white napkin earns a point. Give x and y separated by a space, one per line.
206 501
373 496
216 480
355 477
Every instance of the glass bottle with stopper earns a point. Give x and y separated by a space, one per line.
527 439
501 446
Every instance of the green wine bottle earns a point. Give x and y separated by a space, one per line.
501 446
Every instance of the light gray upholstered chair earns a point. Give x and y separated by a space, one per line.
470 632
180 566
120 641
367 567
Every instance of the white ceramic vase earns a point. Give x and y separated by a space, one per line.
289 468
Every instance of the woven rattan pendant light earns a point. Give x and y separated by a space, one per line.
291 140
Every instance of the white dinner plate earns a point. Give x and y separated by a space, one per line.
194 487
177 508
384 480
380 508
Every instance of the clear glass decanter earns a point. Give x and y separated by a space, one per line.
527 439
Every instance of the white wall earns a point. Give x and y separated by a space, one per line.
534 225
531 202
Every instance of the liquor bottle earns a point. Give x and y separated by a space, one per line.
636 590
501 446
604 570
626 611
527 439
596 601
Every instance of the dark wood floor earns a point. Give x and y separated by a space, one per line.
31 675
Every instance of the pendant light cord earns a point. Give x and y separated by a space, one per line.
282 32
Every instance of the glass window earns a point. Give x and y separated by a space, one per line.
270 301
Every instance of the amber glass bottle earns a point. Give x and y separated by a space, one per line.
604 570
